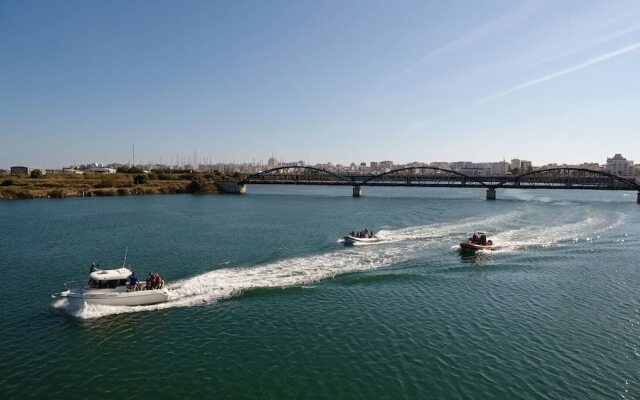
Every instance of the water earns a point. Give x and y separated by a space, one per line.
267 304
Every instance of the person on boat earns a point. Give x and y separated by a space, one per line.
149 282
133 281
156 281
94 267
474 238
483 239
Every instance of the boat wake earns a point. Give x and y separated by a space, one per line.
546 236
225 283
445 230
409 243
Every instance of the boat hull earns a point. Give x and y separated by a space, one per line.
138 298
475 246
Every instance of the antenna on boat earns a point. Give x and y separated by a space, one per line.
125 257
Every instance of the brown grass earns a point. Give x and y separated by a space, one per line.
68 185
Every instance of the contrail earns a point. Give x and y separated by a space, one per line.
555 75
478 34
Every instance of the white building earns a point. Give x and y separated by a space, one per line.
273 162
102 170
620 166
499 168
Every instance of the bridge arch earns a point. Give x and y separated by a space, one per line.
632 185
257 177
444 171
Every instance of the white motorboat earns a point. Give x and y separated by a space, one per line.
117 287
349 239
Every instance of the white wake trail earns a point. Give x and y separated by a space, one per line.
224 283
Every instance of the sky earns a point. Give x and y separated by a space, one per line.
318 81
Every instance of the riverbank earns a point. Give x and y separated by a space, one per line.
16 187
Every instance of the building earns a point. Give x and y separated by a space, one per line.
458 165
272 162
499 168
591 166
516 164
72 170
20 170
440 164
102 170
620 166
526 166
473 171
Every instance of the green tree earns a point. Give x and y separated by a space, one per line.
36 173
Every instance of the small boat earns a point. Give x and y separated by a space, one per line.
352 240
117 287
362 237
478 242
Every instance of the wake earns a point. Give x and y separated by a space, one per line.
225 283
400 245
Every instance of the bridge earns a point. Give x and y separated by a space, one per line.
551 178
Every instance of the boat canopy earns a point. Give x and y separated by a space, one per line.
110 274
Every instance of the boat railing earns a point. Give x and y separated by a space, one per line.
67 283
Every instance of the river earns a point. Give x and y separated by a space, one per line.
266 303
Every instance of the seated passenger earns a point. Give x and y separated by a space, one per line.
157 281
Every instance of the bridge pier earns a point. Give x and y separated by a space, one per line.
638 197
491 194
233 187
357 191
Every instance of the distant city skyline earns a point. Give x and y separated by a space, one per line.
616 162
550 82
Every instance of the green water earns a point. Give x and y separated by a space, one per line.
268 304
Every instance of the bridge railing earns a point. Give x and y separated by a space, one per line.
552 178
570 178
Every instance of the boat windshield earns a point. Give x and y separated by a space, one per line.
111 284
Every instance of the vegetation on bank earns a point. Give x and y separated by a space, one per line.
126 182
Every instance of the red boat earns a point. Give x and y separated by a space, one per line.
478 242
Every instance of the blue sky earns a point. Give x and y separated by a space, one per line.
339 81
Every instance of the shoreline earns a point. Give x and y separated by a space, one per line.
21 187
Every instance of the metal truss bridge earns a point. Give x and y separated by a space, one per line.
552 178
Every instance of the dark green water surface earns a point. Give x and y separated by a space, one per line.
266 303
